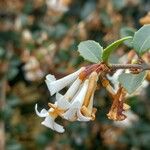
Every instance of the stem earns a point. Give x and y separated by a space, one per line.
2 105
129 66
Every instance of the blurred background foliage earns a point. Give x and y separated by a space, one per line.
38 37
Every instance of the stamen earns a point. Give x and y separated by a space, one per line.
56 110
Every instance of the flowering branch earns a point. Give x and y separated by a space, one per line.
77 103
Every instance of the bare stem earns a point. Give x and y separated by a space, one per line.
130 66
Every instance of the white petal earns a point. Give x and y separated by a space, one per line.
77 102
62 102
43 112
49 122
71 113
50 78
59 96
58 85
73 89
58 128
80 97
82 117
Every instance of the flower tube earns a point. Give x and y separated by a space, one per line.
55 86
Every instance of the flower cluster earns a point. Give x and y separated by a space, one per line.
77 103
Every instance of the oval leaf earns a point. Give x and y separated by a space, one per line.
108 50
141 40
131 82
91 51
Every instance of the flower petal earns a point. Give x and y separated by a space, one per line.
82 117
58 85
43 112
50 78
73 89
58 128
49 122
71 113
76 104
62 102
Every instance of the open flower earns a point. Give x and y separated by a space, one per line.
55 86
50 115
77 102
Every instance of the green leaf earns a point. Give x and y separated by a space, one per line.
141 40
91 51
131 82
12 73
119 4
108 50
126 31
105 18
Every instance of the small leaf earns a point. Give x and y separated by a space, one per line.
126 31
91 51
131 82
108 50
141 40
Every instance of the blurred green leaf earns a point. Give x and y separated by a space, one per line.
91 51
127 31
131 82
106 20
14 145
141 40
12 72
119 4
88 8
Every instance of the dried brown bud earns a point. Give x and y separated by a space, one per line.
118 106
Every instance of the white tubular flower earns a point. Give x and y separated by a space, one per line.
87 112
55 86
50 115
49 121
70 93
76 104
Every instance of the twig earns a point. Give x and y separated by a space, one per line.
142 67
